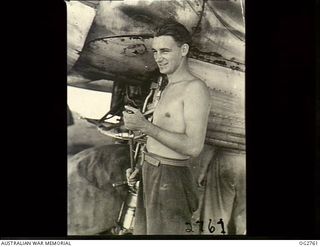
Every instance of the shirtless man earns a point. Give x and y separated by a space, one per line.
167 195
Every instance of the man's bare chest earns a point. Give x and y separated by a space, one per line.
169 109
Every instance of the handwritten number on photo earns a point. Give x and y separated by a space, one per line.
222 226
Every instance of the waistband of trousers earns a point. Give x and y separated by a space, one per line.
157 160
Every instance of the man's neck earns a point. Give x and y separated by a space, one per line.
182 73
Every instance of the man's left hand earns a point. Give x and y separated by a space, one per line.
134 120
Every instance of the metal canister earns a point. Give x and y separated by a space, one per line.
127 214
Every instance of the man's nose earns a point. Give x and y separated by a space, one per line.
158 58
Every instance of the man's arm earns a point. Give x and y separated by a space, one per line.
196 111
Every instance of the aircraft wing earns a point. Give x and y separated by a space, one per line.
113 42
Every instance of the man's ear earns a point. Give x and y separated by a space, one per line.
184 49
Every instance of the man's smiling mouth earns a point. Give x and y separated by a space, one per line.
163 65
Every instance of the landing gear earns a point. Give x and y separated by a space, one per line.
136 141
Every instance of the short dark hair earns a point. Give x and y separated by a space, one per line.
176 30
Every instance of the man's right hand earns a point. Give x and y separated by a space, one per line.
132 176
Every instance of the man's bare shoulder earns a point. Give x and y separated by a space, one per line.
196 100
196 82
197 87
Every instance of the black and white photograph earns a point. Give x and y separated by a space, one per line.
160 120
156 117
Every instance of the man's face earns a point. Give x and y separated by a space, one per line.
167 54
